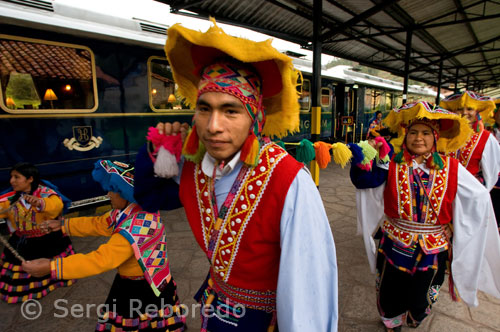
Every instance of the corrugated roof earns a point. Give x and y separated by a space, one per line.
464 34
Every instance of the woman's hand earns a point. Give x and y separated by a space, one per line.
38 267
50 226
33 200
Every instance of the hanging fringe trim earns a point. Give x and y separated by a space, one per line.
191 145
171 143
357 153
341 154
383 150
250 150
435 161
323 157
193 149
281 143
305 151
369 153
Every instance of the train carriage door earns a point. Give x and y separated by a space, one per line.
340 109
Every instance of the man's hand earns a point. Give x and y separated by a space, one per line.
38 267
167 128
50 226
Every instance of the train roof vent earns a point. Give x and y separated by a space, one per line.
38 4
148 27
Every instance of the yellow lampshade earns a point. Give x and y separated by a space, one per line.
49 95
10 102
171 98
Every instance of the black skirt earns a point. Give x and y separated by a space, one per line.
133 306
18 286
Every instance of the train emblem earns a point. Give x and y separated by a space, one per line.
82 139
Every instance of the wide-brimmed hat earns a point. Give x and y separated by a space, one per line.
189 52
115 176
484 105
453 130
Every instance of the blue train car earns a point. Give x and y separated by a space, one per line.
75 91
79 86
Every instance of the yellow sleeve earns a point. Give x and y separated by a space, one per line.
4 205
51 207
88 226
107 257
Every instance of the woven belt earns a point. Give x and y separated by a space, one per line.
260 300
415 227
31 233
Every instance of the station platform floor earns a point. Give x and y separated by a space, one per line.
357 303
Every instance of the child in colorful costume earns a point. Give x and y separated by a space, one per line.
375 125
31 202
424 192
253 209
481 154
137 248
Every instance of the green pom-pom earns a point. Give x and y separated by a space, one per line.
281 143
399 157
305 151
437 160
198 156
368 151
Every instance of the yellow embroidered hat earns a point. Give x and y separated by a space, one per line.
484 105
189 52
452 129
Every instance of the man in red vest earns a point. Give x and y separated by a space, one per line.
481 154
253 209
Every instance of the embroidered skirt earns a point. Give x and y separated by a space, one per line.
133 306
18 286
407 298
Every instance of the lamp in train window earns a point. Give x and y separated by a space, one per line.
171 98
10 103
51 96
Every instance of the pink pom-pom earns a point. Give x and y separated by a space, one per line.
155 137
384 148
172 143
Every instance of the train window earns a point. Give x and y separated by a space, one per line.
38 76
304 99
325 97
162 88
388 101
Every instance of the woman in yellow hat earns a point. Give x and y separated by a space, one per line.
481 153
424 193
253 209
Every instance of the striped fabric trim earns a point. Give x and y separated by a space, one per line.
160 319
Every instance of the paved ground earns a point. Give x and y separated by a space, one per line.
189 266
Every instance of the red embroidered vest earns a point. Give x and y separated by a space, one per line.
247 252
398 198
470 154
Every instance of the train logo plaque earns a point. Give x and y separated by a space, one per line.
82 139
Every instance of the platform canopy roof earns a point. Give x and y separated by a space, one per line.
463 34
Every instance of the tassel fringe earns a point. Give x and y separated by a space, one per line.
323 157
305 151
250 150
341 154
